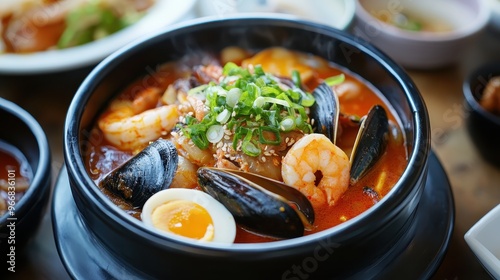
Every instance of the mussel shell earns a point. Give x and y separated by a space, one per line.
325 111
371 142
259 205
145 174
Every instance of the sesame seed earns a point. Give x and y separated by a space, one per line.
263 159
227 137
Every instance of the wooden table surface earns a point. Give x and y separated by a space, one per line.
475 183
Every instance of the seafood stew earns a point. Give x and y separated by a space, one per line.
255 112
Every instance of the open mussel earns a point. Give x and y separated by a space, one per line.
372 137
370 143
259 204
325 111
145 174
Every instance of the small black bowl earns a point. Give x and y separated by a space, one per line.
332 253
483 126
19 129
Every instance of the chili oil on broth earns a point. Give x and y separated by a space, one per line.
356 101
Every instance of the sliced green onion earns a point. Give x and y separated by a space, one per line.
223 117
253 106
248 147
335 80
258 70
270 91
215 133
275 132
307 100
287 124
197 90
296 78
261 100
233 96
230 69
200 140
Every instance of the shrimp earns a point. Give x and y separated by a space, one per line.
317 168
131 125
185 176
281 62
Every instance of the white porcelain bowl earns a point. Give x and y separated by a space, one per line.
460 21
335 13
484 240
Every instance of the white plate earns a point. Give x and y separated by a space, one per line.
336 13
484 240
163 13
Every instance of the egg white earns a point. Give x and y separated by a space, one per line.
223 221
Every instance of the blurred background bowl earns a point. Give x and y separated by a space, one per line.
494 23
422 34
335 13
18 128
483 126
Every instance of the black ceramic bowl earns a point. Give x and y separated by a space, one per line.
337 252
18 128
483 126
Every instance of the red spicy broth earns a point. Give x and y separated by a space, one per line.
15 176
356 97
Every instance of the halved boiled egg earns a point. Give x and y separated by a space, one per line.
189 213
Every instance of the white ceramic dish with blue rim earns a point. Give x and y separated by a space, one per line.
161 14
484 240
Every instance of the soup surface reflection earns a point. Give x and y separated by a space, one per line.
177 102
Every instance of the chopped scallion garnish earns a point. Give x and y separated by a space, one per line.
255 108
335 80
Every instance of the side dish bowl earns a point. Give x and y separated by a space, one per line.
398 28
338 14
336 252
483 125
161 14
483 240
18 128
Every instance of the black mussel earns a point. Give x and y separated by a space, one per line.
145 174
370 143
261 205
325 111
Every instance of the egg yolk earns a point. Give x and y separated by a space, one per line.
185 218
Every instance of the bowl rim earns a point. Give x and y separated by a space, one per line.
485 71
480 21
39 181
417 162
